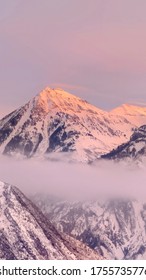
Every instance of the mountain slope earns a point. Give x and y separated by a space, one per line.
56 121
25 233
114 228
135 148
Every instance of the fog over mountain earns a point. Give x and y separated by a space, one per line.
74 181
72 129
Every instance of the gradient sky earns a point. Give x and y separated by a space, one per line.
95 49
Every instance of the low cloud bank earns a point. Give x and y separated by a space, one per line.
75 181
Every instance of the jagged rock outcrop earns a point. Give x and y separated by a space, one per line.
26 234
115 228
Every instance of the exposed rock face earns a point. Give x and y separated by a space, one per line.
114 228
56 121
135 148
25 233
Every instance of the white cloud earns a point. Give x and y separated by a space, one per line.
75 181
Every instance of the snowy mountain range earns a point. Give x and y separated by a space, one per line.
56 121
25 233
116 228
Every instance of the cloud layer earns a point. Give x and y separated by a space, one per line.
74 181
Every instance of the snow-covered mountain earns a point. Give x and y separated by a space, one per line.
116 229
25 233
135 148
56 121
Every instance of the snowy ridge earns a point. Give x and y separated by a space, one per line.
135 148
25 233
56 121
114 228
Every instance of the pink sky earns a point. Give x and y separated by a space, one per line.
95 49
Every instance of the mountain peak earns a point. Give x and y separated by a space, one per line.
129 109
57 121
55 93
50 99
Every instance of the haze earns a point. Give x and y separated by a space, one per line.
74 181
95 49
